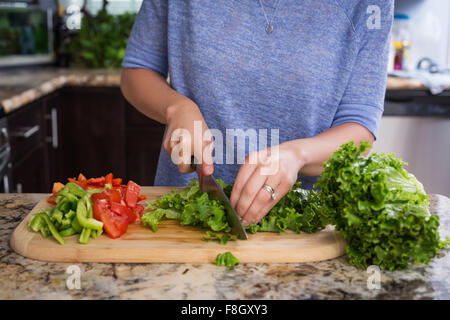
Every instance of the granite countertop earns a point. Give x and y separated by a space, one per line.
21 86
23 278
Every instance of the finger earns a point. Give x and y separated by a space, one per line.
166 145
245 172
249 192
282 189
185 165
169 143
207 162
263 199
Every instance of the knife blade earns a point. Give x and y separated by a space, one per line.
210 185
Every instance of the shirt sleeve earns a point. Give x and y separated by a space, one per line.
147 44
363 99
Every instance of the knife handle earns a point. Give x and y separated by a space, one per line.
193 164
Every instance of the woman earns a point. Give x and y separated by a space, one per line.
313 70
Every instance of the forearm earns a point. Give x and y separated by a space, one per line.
313 152
150 93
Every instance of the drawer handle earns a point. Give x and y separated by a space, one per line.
53 116
26 132
4 158
6 183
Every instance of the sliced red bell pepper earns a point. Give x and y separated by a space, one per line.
115 195
99 196
82 184
51 199
56 187
123 211
138 211
116 182
132 193
97 181
109 178
115 225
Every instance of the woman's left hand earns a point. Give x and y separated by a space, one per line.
277 169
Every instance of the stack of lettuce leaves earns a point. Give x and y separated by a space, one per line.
379 208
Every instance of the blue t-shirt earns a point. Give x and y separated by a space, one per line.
324 64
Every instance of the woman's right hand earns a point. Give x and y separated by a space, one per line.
181 143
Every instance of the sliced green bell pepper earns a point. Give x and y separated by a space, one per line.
74 189
70 215
67 232
85 234
65 205
53 230
66 223
76 225
56 216
64 193
36 222
45 231
82 216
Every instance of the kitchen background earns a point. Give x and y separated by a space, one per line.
62 111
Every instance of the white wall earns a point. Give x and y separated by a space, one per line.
423 142
430 22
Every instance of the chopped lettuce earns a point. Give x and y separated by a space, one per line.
226 259
222 239
298 211
191 207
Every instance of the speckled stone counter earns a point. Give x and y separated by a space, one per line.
23 278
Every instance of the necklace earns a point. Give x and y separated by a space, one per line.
269 25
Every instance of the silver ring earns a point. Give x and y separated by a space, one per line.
272 192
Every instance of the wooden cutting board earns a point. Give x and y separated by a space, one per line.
175 243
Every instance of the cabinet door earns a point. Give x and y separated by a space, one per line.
25 130
143 147
52 127
28 155
91 132
144 138
29 174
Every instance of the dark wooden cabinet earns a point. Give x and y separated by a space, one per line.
143 143
29 174
28 148
92 130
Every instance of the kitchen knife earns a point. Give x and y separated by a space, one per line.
210 185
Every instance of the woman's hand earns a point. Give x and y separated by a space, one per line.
150 93
185 139
306 156
278 169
